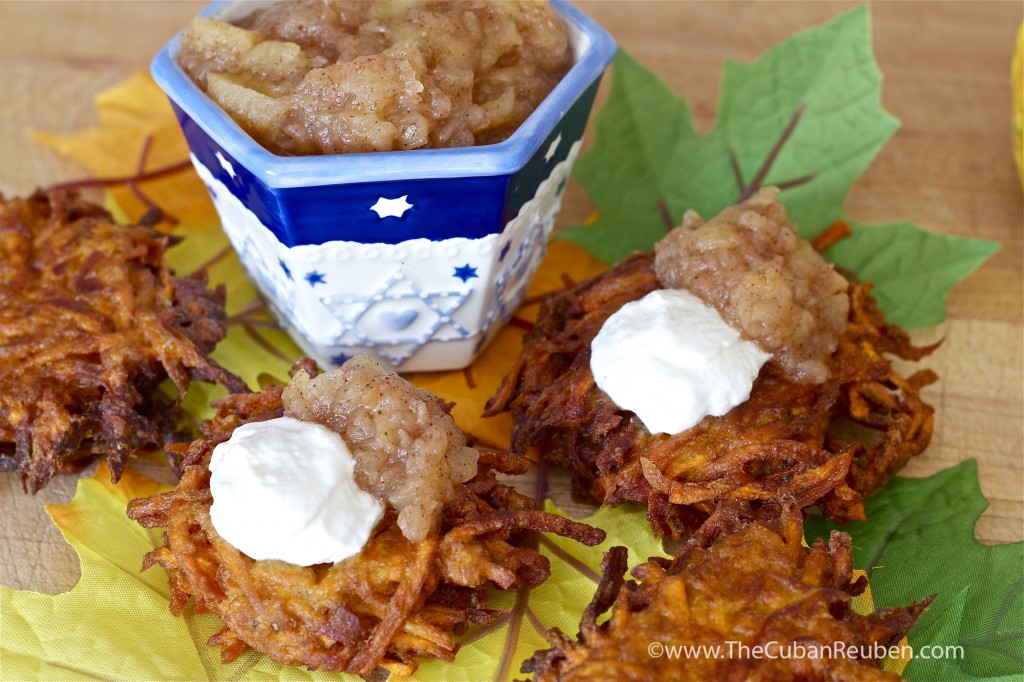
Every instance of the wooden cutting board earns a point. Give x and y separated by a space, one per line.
949 169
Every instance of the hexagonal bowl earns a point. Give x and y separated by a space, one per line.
414 257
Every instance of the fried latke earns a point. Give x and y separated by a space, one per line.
781 441
395 601
761 606
91 321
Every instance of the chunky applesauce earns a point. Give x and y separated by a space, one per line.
407 449
340 76
749 264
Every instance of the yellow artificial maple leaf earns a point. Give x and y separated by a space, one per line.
115 623
138 134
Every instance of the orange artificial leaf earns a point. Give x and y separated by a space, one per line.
469 389
138 135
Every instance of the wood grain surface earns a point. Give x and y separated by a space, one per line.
949 169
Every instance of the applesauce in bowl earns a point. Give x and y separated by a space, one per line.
344 76
416 256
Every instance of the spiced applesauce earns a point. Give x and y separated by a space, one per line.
749 263
407 449
341 76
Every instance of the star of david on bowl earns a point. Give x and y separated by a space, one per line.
397 319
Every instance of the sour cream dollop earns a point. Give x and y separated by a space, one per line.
285 489
672 360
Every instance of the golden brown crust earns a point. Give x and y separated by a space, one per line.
742 580
91 321
780 442
392 603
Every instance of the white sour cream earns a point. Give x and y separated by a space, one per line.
672 360
284 489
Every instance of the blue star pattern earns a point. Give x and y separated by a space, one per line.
465 272
413 316
395 301
278 293
518 269
537 221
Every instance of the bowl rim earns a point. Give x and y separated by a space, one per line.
502 158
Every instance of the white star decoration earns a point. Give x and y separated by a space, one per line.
226 165
391 208
553 148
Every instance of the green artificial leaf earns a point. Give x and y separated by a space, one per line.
831 72
817 82
806 117
643 134
913 270
920 541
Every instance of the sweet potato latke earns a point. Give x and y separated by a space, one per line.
781 441
743 580
91 321
393 602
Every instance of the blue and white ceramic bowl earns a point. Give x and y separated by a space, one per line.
414 257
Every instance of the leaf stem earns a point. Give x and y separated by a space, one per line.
666 215
262 342
796 182
748 190
773 155
737 172
535 622
133 185
217 257
123 180
540 492
581 567
512 638
485 630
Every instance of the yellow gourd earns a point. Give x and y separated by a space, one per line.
1017 82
